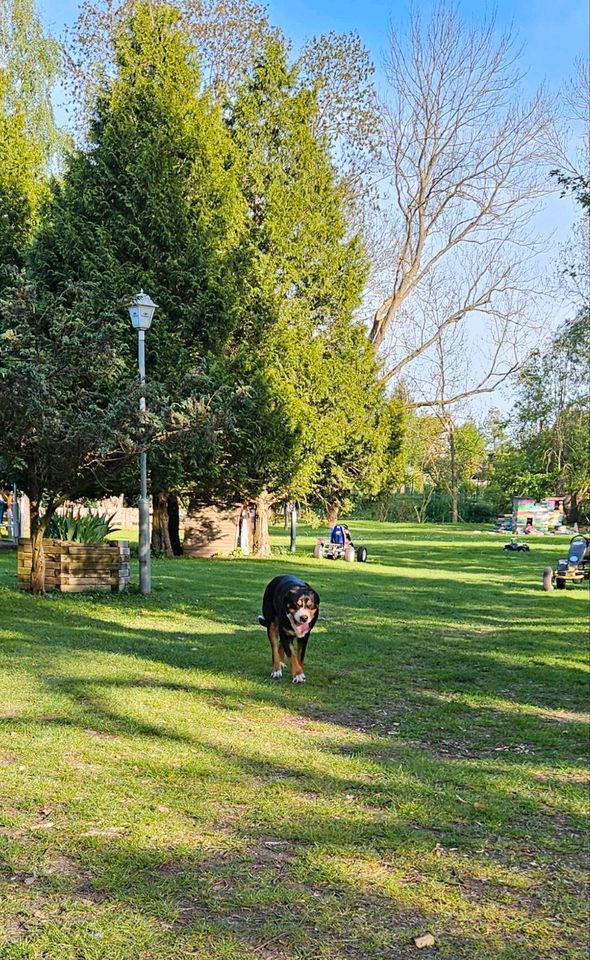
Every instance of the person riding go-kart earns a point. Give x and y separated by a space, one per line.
340 546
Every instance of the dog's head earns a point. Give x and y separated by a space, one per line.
303 606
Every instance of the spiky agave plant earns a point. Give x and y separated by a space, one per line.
93 527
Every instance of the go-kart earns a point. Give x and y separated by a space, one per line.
514 545
573 569
339 546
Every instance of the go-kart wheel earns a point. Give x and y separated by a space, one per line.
548 578
559 583
361 554
349 554
318 551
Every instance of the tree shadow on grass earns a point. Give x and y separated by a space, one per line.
364 877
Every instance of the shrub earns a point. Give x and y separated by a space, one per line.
479 511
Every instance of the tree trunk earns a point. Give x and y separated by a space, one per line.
261 545
286 515
174 524
331 514
454 483
38 526
160 536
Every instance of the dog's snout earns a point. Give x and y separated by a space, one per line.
304 617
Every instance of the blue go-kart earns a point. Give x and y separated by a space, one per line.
575 568
339 546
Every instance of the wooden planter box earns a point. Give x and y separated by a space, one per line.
74 567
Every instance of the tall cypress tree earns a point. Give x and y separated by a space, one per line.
307 277
153 203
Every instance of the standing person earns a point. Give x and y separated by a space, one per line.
3 506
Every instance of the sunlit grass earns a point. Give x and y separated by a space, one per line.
163 798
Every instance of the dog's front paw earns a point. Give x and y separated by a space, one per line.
277 674
299 678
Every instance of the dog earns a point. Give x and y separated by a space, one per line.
290 610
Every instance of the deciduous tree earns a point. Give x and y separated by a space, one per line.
29 139
466 160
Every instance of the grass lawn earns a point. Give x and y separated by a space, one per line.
161 797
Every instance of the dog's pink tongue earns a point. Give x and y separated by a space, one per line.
302 629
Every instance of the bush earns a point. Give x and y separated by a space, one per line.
91 528
479 511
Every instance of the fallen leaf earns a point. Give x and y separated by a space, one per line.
29 881
163 808
426 940
479 806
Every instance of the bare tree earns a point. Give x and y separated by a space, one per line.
228 35
467 162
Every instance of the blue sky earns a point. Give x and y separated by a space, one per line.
553 32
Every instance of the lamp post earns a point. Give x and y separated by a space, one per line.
141 312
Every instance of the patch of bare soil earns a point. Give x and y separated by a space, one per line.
101 734
563 776
12 931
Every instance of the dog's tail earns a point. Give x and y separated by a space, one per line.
262 621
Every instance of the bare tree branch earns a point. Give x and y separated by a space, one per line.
467 160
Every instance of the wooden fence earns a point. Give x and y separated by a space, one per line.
75 567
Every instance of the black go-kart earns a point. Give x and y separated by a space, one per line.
340 546
515 546
573 569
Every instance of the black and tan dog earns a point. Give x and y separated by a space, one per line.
290 609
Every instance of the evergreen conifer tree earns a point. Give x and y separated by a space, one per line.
152 202
300 342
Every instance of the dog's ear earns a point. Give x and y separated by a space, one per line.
292 595
316 598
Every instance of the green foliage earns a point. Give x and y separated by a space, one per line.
309 369
92 527
576 184
21 187
30 68
469 451
59 370
548 451
153 201
29 63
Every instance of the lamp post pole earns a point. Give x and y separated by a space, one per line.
144 550
141 311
